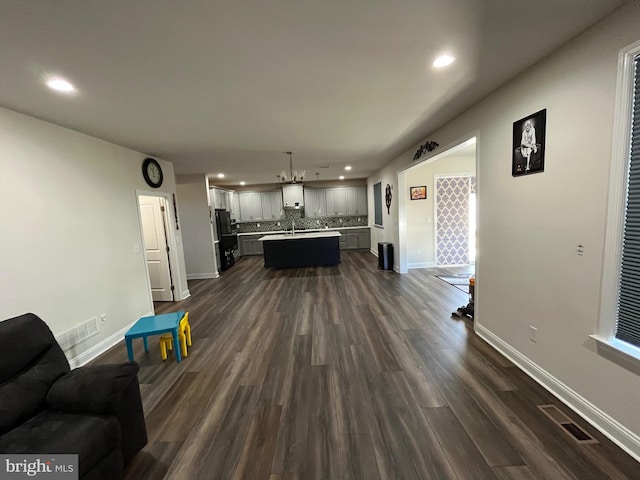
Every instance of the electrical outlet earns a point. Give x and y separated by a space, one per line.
103 318
258 225
533 334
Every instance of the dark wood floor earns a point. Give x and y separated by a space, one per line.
347 372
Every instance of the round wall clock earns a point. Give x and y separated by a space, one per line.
152 172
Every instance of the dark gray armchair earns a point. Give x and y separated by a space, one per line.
93 411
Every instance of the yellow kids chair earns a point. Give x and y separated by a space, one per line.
184 335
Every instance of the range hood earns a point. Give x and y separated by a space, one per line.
292 196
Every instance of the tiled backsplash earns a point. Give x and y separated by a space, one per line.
302 222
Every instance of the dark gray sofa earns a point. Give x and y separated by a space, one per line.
93 411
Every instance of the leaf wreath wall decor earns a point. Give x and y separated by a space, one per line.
425 148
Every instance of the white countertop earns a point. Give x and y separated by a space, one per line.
299 236
308 230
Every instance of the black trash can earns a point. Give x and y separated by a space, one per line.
385 256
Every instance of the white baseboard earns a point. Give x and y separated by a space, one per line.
421 265
614 430
101 347
185 294
374 252
202 276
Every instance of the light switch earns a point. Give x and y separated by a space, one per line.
136 248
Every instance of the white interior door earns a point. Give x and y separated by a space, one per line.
152 213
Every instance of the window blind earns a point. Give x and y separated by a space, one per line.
628 315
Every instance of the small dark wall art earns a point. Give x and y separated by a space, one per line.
418 193
387 198
529 134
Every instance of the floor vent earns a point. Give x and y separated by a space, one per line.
568 425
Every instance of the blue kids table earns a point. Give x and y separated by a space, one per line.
155 325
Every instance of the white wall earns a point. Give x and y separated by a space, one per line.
528 272
421 213
197 229
70 223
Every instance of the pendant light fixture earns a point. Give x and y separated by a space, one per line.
293 176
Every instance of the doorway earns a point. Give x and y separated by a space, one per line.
418 218
154 222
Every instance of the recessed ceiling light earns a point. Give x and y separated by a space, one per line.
341 177
443 61
347 168
60 85
243 183
221 175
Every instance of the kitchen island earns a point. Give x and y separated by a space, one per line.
313 249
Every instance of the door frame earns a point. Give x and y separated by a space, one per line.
171 241
403 186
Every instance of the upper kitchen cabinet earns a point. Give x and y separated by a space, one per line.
356 200
336 201
221 198
250 206
272 205
315 202
292 195
234 206
260 206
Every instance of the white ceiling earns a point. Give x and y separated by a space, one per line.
228 86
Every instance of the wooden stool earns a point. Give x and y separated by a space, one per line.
184 335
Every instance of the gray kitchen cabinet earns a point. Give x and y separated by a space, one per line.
221 198
336 201
250 206
292 195
315 202
342 242
364 238
250 245
351 241
271 205
346 201
355 239
356 200
234 206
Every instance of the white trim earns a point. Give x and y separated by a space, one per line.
185 294
619 352
202 276
101 347
614 430
617 193
421 265
374 252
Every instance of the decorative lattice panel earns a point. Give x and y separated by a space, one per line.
452 219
